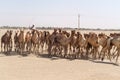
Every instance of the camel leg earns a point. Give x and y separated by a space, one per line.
34 48
100 54
74 50
114 55
26 47
104 50
82 52
8 47
86 55
38 47
103 55
23 48
60 51
42 45
1 47
65 51
55 51
49 50
70 50
30 47
95 53
77 53
11 45
20 49
109 55
4 47
114 51
118 54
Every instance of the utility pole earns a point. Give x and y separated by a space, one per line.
78 21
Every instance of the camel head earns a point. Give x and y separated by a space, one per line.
60 30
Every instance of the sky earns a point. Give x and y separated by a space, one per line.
104 14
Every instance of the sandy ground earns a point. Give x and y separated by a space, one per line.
43 68
16 67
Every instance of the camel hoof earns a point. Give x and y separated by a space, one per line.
102 59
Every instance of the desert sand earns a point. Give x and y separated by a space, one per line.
31 67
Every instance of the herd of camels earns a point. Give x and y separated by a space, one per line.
61 43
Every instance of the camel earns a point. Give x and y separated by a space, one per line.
92 43
21 42
72 43
110 42
51 42
116 42
35 41
62 41
88 45
67 34
28 41
10 42
80 45
44 39
6 40
16 45
104 41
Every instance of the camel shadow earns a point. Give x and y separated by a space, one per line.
13 53
115 64
48 57
54 57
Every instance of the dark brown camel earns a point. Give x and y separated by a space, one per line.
16 45
6 40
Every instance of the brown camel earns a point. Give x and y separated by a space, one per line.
116 42
92 43
111 41
6 40
44 39
28 41
52 42
16 45
21 41
72 43
104 41
35 41
80 45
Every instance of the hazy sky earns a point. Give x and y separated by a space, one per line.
61 13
